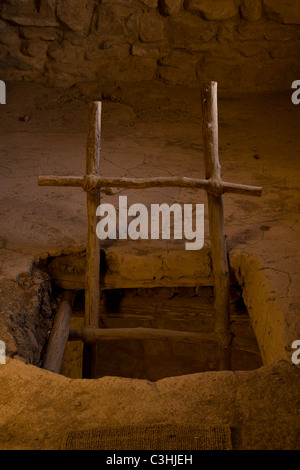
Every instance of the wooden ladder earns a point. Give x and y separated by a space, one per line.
92 182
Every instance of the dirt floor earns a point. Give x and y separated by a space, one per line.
151 130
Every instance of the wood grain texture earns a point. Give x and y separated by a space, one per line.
216 215
98 182
94 335
59 334
92 290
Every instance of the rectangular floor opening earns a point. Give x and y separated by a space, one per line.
188 309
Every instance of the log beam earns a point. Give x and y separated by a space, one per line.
90 183
94 335
92 289
92 276
59 333
90 335
216 219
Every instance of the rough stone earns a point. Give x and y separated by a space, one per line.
76 14
119 10
283 11
179 68
189 32
251 9
26 12
274 32
280 51
132 25
150 3
225 33
108 23
76 38
4 26
22 326
59 74
126 69
249 49
170 7
16 60
36 48
222 70
139 51
213 10
9 38
46 34
146 51
16 69
151 28
64 52
107 50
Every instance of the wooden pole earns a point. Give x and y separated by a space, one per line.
90 335
99 182
93 201
216 217
59 333
92 290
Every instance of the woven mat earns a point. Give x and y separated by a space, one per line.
152 437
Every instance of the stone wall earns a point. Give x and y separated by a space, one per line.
249 44
27 309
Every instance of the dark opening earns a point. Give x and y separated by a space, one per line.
176 308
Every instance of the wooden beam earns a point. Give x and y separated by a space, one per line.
93 335
92 290
59 333
90 335
98 182
216 215
51 180
92 276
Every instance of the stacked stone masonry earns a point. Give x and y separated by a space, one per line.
246 44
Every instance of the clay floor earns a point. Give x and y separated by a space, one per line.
153 130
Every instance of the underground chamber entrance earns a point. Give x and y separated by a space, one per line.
181 309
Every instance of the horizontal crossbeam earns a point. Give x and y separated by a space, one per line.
92 183
94 335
